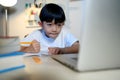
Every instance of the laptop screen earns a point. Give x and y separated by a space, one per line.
100 41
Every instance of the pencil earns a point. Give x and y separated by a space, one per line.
25 42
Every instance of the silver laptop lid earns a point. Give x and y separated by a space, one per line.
100 41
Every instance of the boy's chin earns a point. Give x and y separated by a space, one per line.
54 37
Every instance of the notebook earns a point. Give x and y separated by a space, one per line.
99 38
11 61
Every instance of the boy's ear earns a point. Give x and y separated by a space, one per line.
40 23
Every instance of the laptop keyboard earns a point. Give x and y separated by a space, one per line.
75 59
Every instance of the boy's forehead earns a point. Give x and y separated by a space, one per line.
53 22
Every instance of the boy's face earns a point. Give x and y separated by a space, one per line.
51 29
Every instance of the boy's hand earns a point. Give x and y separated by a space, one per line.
55 50
34 47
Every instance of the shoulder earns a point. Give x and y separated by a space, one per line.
66 34
65 31
35 35
69 38
38 31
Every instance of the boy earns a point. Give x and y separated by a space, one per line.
52 36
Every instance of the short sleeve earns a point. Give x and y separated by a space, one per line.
70 39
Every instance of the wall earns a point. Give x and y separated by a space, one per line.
2 21
75 9
17 26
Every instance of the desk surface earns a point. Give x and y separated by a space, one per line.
50 69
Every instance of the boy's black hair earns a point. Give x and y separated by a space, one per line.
52 12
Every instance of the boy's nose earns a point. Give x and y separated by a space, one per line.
54 28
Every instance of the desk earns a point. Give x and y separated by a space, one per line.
49 69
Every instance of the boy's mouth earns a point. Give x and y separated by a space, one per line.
53 34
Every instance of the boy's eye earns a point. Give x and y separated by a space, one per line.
59 24
49 24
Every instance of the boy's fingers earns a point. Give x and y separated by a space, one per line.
53 50
36 45
34 41
50 50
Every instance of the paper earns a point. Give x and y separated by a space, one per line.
11 63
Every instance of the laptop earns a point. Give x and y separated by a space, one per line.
99 40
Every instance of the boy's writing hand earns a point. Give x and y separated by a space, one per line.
34 47
55 50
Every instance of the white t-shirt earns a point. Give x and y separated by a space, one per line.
64 39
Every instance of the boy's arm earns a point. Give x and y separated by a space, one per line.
73 49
